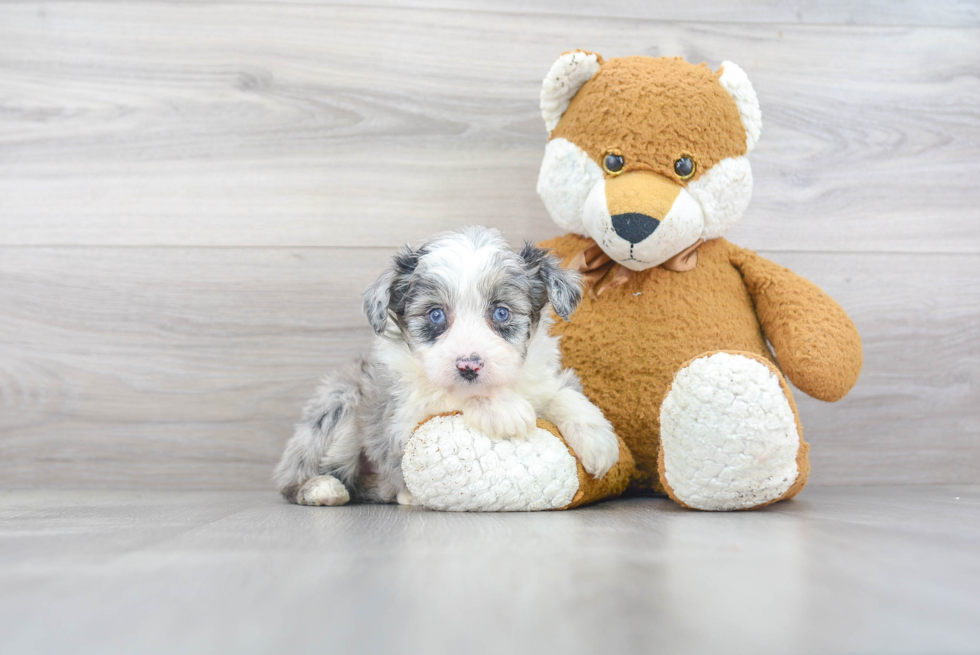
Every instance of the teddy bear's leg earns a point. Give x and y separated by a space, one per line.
451 466
730 436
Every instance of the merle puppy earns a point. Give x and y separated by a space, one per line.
461 325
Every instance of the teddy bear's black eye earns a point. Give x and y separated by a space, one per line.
613 163
684 167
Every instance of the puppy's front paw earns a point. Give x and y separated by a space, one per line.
595 444
507 416
405 497
322 490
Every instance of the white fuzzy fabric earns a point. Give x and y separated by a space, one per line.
729 434
567 176
680 228
450 467
724 193
566 77
736 82
572 187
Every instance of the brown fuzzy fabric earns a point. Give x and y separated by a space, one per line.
590 490
652 112
817 345
628 343
643 192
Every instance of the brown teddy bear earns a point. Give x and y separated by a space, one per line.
646 168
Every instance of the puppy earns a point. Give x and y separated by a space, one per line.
461 326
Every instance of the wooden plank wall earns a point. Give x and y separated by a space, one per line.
192 196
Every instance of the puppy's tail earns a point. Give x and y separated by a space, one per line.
328 421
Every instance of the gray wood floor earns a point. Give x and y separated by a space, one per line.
192 195
840 570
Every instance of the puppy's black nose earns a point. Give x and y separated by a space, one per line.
469 368
634 227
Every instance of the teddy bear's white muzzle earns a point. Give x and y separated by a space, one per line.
637 240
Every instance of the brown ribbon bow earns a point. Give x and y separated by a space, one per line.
595 266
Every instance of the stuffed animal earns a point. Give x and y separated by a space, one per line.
684 340
450 467
646 168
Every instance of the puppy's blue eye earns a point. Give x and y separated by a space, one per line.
437 317
501 314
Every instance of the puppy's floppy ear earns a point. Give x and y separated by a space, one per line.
386 294
562 287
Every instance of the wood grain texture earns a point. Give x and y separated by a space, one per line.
257 124
192 196
938 13
854 570
182 367
950 13
186 368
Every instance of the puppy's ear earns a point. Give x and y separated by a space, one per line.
562 286
386 294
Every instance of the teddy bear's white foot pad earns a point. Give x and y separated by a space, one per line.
451 467
728 434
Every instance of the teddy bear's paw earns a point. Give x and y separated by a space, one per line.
450 466
729 437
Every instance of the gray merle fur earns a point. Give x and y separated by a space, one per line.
348 429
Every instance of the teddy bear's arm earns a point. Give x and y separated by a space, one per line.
815 341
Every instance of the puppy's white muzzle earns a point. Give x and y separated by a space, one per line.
471 359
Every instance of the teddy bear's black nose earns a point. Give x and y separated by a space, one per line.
634 227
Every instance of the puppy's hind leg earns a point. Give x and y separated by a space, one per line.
322 456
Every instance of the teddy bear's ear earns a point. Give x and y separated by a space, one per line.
566 77
734 80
